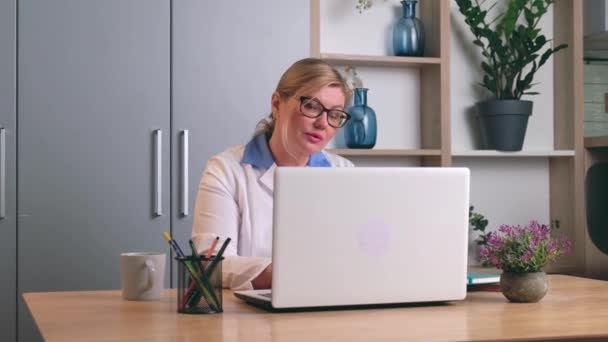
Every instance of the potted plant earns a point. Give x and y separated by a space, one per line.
522 252
478 222
512 48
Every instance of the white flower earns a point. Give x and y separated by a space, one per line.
363 5
351 75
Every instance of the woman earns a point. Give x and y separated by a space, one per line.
235 193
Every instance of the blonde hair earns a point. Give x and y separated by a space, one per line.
305 75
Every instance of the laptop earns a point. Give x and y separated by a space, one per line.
367 236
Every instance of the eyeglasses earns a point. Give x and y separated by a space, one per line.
312 108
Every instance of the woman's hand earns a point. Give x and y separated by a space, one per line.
264 279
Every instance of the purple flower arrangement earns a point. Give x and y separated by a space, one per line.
525 249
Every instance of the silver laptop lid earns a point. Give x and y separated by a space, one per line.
349 236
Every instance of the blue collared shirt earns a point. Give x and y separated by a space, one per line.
257 153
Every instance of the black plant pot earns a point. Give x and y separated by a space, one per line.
503 123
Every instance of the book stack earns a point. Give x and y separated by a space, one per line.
483 281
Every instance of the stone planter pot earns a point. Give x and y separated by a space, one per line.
523 287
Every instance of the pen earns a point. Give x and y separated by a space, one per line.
178 251
188 265
211 249
196 257
207 288
218 256
192 287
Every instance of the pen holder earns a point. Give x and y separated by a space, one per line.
199 293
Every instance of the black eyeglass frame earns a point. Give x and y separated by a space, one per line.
324 110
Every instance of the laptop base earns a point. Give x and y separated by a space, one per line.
267 305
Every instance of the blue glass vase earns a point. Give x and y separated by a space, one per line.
360 130
408 32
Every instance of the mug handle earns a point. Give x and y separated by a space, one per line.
151 270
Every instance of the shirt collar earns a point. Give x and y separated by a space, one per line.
257 153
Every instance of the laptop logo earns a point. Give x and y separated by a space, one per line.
375 237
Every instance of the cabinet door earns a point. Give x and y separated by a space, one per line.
93 87
226 63
8 240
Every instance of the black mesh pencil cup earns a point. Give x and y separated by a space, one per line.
199 285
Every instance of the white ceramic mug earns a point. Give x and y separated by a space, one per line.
142 275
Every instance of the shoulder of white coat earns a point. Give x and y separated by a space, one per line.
231 155
336 160
226 163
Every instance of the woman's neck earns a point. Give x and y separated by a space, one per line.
281 156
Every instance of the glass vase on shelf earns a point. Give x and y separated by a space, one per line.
408 32
360 131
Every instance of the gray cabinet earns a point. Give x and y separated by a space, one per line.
93 91
227 58
8 217
94 84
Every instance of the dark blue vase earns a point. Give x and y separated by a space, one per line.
408 33
360 130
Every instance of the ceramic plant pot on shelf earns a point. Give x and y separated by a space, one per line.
503 123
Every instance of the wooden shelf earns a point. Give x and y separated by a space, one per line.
384 152
561 166
518 154
390 61
596 142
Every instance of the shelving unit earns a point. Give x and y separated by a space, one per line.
432 147
518 154
385 152
380 61
544 181
566 175
596 142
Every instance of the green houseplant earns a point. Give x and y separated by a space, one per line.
513 50
478 224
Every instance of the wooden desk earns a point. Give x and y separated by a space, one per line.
573 308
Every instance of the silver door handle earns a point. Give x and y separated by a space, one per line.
2 173
185 138
158 144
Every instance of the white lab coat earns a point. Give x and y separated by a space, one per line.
234 200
